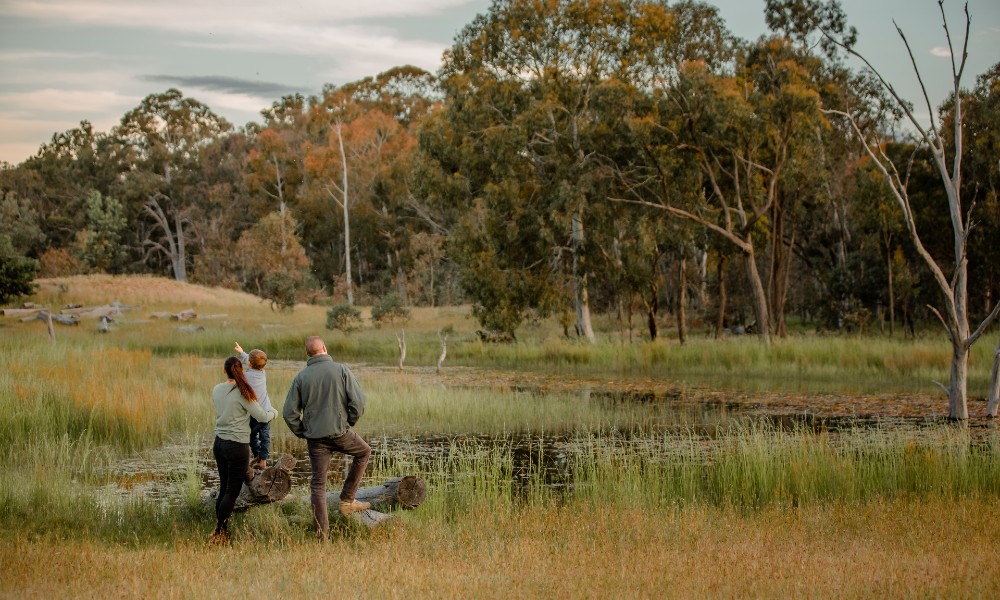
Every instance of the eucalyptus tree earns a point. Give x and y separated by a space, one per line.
54 184
274 165
359 136
162 140
739 132
950 275
521 83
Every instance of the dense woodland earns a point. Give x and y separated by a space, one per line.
627 157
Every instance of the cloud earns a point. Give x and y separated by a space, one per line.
334 28
220 15
28 119
226 85
21 56
940 52
79 102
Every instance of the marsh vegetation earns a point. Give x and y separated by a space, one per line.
541 467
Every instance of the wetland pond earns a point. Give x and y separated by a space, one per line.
658 418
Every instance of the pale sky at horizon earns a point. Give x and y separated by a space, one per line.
64 61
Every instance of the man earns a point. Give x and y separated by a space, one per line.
322 405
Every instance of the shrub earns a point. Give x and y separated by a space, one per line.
389 309
343 317
16 272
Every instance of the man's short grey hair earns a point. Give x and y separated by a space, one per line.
314 345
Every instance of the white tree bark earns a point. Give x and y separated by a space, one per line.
955 316
444 350
175 248
994 400
401 343
347 223
583 325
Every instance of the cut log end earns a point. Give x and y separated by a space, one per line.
272 484
412 491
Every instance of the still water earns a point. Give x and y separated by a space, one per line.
689 417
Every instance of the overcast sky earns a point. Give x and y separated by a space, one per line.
63 61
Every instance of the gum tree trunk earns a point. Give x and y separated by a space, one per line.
994 401
759 297
583 326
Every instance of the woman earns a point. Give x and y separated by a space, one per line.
235 402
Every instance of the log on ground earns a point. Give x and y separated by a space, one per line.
268 485
402 492
61 319
21 312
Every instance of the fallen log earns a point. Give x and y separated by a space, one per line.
184 315
402 492
21 312
269 485
274 483
44 315
78 310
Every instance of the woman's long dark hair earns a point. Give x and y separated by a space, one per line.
234 370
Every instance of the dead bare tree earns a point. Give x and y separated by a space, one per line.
401 344
955 314
444 349
171 241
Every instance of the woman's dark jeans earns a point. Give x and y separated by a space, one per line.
319 459
233 458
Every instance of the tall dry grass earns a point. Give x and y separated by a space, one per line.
894 548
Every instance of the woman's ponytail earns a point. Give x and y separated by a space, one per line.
234 370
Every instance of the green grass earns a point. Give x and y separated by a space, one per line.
72 408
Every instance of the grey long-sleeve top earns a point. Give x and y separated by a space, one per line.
233 413
257 380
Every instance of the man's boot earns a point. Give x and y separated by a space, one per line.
351 506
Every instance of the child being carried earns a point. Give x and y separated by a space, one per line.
260 433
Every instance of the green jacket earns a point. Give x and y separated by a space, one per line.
324 400
232 413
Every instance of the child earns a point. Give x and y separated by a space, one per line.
260 433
